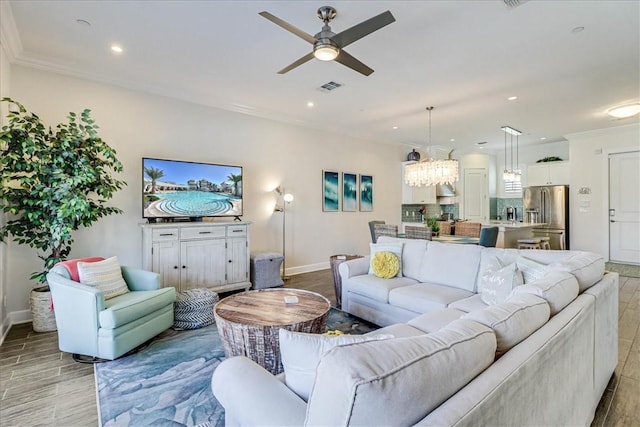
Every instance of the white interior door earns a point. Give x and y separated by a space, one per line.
475 190
624 207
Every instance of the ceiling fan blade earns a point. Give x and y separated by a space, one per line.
349 61
306 58
298 32
355 33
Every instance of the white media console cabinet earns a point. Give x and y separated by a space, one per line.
190 255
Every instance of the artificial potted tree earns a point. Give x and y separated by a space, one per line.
52 182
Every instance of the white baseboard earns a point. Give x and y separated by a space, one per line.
307 268
14 318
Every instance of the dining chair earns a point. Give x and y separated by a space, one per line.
488 237
445 227
385 230
372 228
469 229
413 232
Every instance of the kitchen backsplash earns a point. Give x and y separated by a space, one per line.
496 207
411 213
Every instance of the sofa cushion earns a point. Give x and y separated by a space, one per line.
531 270
557 288
513 320
357 383
376 288
496 285
398 330
105 275
435 320
587 267
451 265
385 264
413 251
131 306
474 302
300 353
425 297
395 248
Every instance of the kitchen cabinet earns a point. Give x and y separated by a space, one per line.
417 195
548 173
198 255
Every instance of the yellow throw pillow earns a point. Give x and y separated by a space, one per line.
385 264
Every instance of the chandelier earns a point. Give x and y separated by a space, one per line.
431 171
512 174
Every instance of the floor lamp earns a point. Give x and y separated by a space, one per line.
286 199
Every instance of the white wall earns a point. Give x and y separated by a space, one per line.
272 153
589 153
5 77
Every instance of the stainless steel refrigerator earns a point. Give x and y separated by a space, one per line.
548 206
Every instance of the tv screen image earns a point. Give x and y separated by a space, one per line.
180 189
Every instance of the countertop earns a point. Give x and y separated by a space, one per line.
513 225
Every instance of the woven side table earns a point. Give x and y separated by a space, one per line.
249 322
335 261
193 308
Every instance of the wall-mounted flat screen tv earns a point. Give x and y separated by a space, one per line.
178 189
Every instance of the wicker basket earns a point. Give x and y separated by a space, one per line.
42 313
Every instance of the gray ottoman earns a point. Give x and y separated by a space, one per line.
194 308
265 270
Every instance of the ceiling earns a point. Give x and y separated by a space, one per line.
463 57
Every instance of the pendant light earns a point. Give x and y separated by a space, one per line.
431 171
511 174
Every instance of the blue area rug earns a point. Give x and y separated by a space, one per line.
168 383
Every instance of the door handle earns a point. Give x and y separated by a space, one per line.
612 220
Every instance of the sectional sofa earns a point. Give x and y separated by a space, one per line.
541 354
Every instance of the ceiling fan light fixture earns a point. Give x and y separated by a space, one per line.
325 51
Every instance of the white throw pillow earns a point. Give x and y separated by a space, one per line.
531 270
496 285
105 275
300 353
395 248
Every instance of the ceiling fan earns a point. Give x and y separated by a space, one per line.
329 46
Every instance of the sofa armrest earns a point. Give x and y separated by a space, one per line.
239 380
354 267
140 280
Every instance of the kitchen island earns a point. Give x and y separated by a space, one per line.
509 232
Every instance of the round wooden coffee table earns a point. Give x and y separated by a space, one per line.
249 322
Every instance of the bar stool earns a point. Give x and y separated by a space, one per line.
545 242
534 243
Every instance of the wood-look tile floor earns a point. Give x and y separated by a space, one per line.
41 386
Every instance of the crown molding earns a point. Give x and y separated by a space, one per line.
9 36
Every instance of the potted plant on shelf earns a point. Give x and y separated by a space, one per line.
52 182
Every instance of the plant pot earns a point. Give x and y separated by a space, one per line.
42 309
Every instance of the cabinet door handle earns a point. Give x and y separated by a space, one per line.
236 231
166 234
204 232
229 261
184 266
175 267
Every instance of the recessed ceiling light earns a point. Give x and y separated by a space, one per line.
577 29
543 138
310 104
452 140
395 127
624 111
116 48
512 98
83 22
